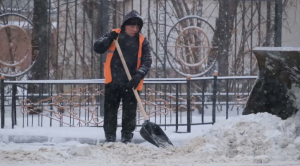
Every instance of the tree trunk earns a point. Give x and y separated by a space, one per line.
39 46
39 40
224 27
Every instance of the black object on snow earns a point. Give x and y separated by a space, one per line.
277 89
152 133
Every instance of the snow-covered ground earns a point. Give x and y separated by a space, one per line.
260 139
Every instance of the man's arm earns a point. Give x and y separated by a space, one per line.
102 44
146 58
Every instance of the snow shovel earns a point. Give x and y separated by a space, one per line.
151 132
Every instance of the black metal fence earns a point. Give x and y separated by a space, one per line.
64 51
74 25
168 102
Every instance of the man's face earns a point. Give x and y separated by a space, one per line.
132 30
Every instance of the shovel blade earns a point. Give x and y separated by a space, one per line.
152 133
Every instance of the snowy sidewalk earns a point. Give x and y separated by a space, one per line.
84 135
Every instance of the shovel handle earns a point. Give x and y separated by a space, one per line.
129 78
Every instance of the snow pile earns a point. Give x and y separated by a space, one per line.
73 155
252 139
261 138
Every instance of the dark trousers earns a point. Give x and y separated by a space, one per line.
113 95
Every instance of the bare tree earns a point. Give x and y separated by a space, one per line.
39 43
224 28
39 40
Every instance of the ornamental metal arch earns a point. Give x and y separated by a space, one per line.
191 53
14 68
16 14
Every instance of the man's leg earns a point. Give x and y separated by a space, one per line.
111 105
129 115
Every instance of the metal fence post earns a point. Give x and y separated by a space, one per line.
2 102
203 99
227 98
51 105
214 97
177 107
13 105
188 100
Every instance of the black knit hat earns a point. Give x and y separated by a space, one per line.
132 18
134 21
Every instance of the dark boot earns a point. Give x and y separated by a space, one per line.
126 138
110 138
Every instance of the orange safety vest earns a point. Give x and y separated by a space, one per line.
110 53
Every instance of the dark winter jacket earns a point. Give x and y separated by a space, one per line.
129 46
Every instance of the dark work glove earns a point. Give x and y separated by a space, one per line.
113 35
134 82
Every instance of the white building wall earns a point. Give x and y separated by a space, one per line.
291 25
